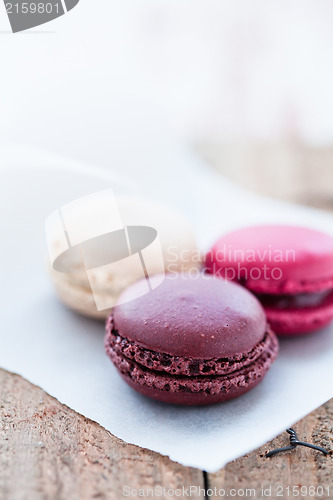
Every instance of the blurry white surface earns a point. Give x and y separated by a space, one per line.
215 69
63 352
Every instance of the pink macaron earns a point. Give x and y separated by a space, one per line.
290 270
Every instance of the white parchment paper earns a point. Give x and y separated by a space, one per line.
63 353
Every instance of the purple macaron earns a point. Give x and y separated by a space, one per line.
190 341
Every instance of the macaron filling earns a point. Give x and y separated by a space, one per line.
213 385
299 301
181 374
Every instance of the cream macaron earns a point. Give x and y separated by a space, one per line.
94 293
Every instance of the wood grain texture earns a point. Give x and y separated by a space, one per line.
299 467
48 451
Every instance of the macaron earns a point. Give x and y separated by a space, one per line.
289 269
170 247
190 341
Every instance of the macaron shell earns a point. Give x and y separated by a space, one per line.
187 398
196 390
298 321
79 297
179 254
117 347
199 317
303 258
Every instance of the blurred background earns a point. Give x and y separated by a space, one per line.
248 85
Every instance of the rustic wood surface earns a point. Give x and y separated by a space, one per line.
48 451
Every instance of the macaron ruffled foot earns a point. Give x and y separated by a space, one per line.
191 341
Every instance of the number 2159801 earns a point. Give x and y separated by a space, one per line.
32 8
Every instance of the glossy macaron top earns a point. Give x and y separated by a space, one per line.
275 258
201 317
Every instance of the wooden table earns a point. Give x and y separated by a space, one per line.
48 451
